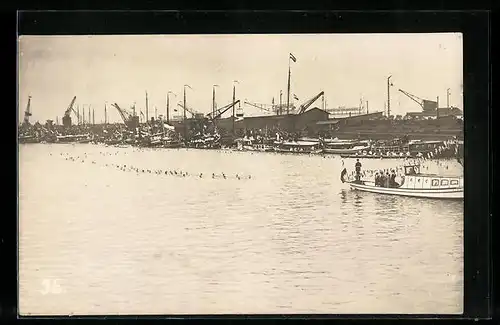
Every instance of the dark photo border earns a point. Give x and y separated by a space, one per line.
475 26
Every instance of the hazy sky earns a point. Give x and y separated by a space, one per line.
96 69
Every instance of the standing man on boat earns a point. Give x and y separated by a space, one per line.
358 170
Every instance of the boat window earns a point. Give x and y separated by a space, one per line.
454 182
435 182
444 182
409 170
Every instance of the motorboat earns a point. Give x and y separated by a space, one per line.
415 184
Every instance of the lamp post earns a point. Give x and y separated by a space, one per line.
184 116
168 105
281 103
213 99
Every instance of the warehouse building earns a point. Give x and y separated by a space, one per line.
286 122
440 112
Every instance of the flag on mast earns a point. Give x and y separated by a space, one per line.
293 57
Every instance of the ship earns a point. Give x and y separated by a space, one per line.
415 184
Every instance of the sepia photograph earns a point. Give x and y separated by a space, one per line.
252 174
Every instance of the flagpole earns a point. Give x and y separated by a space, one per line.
389 96
234 96
185 126
288 88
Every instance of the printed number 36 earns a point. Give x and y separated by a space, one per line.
51 286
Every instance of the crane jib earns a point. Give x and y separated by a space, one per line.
70 108
222 110
308 103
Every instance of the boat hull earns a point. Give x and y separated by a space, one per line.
24 140
451 193
372 156
344 151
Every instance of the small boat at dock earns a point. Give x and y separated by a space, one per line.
75 138
371 155
297 147
28 139
257 147
345 147
415 184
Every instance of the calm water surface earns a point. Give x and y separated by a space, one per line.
284 236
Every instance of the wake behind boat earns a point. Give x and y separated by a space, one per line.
413 183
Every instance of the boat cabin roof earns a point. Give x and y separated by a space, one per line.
414 170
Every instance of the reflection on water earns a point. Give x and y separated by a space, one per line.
233 232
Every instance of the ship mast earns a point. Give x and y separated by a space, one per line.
147 109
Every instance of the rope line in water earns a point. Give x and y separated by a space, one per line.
173 172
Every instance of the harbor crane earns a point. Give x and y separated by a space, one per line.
67 114
427 105
193 113
260 106
218 113
130 120
309 102
27 112
416 99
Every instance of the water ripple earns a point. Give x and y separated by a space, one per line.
290 239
